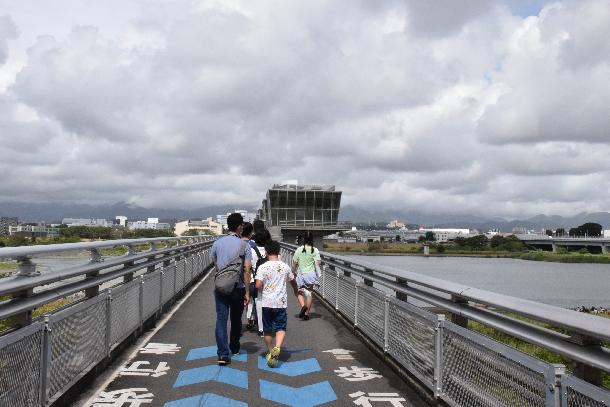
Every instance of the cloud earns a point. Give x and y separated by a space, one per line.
452 106
8 31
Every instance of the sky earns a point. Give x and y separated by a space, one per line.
498 108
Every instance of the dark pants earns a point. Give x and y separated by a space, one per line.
253 292
229 305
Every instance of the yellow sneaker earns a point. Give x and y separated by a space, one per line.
273 356
271 362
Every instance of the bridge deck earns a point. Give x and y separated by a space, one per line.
306 375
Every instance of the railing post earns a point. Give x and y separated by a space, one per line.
555 387
323 280
130 252
581 370
337 292
45 361
141 306
368 282
96 257
459 320
25 318
345 272
108 321
356 296
438 359
162 273
400 295
386 322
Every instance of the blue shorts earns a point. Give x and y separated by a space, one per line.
274 319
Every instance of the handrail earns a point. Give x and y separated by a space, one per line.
28 251
466 301
30 290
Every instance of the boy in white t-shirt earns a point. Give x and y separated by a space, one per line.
271 278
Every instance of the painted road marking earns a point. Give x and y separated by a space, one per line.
306 396
217 373
206 400
291 369
209 351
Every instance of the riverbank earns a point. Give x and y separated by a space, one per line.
393 249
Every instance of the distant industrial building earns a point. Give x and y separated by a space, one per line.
121 220
151 223
6 223
71 222
289 210
33 230
199 225
248 217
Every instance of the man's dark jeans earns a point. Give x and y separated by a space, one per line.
233 306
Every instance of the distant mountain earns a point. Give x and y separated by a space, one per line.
34 212
359 215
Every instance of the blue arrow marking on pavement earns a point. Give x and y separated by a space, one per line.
209 351
306 396
291 369
221 374
206 400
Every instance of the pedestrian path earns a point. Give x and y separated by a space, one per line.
322 363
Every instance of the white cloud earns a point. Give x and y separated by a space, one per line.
456 107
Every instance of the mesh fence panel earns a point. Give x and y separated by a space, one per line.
124 311
168 282
330 287
411 340
578 393
78 340
150 294
20 357
347 297
179 275
371 313
475 375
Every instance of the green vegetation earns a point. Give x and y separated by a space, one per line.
104 233
478 246
528 348
565 257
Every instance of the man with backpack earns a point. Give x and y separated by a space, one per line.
233 263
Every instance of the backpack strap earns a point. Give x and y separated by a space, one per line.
258 254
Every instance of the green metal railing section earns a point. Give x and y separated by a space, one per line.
432 344
42 358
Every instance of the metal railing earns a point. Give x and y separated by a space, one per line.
42 358
460 366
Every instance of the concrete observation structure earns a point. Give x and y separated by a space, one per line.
290 210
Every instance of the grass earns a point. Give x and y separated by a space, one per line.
569 257
529 348
8 265
47 308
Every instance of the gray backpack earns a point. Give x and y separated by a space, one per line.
227 279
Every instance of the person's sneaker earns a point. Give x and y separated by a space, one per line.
224 360
261 333
250 324
273 356
306 318
235 351
303 311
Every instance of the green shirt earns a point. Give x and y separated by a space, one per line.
306 260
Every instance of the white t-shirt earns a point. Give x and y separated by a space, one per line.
255 259
274 275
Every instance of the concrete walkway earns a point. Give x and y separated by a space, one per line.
322 363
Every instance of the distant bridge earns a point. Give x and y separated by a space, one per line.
554 243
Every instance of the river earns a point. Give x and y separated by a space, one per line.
562 284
